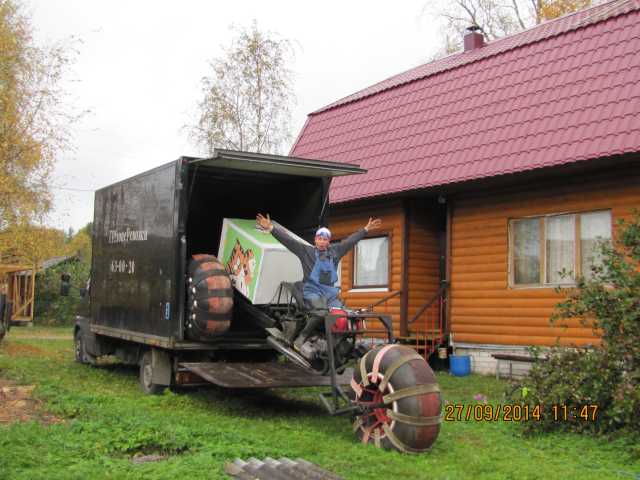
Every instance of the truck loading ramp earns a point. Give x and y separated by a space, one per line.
262 375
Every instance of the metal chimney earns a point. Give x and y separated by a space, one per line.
473 38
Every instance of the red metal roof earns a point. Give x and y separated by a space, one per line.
561 92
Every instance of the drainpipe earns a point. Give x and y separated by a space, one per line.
404 299
448 241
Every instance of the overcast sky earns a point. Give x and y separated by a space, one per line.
139 68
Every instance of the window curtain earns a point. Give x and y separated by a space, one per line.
526 251
372 262
595 227
560 250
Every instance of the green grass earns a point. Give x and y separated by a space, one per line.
108 420
28 332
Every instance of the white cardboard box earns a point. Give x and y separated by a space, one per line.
256 262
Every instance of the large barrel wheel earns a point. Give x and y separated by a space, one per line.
399 399
210 298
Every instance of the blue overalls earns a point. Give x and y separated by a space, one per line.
321 281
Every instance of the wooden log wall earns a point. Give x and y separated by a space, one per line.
345 220
424 226
484 308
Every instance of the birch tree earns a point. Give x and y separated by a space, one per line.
247 99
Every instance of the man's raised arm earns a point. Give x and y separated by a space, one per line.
294 245
348 243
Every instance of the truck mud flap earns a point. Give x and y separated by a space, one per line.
261 375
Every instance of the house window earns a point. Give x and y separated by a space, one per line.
560 249
371 263
541 248
526 250
593 227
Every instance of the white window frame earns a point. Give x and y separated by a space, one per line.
577 260
372 288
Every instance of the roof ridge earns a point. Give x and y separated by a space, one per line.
583 22
607 8
611 4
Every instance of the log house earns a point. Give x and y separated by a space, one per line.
493 170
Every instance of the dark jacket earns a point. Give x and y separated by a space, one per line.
307 253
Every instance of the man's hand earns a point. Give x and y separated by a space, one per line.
373 224
264 222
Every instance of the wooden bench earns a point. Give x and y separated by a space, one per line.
507 357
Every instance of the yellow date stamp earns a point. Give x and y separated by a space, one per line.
458 412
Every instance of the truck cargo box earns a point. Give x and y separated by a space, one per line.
148 226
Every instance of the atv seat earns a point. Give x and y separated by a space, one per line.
294 289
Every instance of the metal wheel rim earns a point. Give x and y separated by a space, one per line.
375 418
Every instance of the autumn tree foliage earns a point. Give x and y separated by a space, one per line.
80 244
247 99
29 244
550 9
34 128
496 18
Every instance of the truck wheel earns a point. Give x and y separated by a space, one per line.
399 400
146 376
80 350
210 301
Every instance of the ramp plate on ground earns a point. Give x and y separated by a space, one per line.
261 375
282 469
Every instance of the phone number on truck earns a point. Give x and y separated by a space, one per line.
123 266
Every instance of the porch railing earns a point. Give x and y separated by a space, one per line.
384 299
375 333
427 326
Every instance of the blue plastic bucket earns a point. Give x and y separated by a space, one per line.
460 365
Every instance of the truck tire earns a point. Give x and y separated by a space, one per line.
80 349
210 298
399 400
146 376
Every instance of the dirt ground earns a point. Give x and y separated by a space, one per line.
18 405
22 350
16 401
23 333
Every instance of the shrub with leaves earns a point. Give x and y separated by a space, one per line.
608 374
